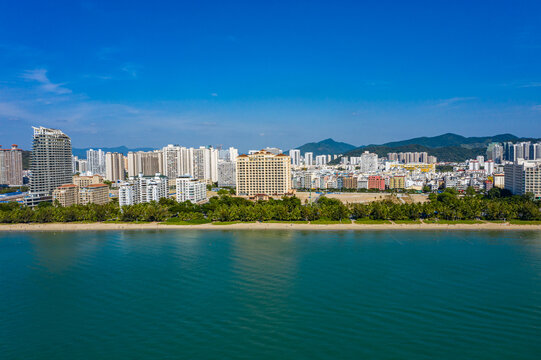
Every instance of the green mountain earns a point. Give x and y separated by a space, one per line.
447 147
451 139
444 153
327 146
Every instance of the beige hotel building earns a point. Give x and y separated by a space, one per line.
263 173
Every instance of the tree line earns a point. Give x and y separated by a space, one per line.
448 205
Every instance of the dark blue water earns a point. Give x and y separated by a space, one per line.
270 295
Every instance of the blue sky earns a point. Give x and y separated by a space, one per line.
275 73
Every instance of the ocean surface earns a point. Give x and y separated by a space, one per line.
270 295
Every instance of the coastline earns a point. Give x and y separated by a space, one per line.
259 226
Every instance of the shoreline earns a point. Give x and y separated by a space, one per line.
260 226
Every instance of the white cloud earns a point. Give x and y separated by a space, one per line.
40 75
531 84
454 100
131 69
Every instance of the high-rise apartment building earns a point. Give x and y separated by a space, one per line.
228 154
369 162
171 161
295 155
309 158
321 160
147 163
50 164
432 159
114 167
489 167
96 161
523 177
11 166
189 189
205 164
227 175
495 152
263 173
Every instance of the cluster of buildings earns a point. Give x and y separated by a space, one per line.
412 157
184 173
513 152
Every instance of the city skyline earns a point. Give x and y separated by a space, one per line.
267 75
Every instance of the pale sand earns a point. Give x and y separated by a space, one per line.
260 226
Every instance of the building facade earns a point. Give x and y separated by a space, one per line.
227 174
147 163
87 180
66 195
376 182
114 167
295 155
94 194
263 173
96 161
11 166
523 177
50 164
189 189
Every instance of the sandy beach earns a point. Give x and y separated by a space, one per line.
260 226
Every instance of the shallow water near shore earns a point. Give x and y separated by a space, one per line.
270 294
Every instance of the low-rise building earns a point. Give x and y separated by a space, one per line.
87 180
94 194
397 182
71 194
66 195
376 182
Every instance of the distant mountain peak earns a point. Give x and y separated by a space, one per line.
326 147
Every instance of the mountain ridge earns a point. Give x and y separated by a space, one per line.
324 147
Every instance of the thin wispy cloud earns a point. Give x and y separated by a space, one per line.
107 52
531 84
40 76
131 69
454 100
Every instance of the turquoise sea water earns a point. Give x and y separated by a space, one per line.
270 295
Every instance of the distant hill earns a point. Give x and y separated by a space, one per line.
327 146
451 139
445 153
81 153
447 147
